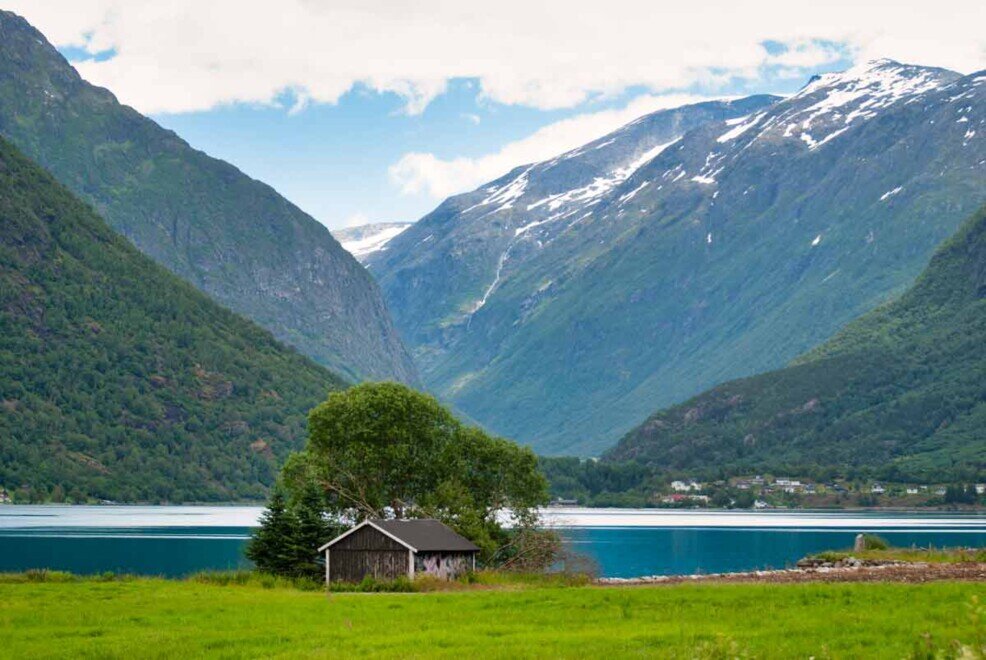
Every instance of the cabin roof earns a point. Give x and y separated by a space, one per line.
418 535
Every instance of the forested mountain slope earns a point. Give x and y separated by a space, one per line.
120 381
706 252
901 390
231 236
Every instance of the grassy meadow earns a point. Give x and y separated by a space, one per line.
142 617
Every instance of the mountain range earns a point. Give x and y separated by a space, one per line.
900 391
167 321
231 236
120 381
566 301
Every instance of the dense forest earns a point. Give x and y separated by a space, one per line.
899 394
118 380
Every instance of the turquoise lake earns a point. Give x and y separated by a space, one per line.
178 540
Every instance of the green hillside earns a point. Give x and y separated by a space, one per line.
233 237
120 381
902 390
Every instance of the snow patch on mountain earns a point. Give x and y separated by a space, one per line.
600 185
858 93
504 195
890 193
365 240
734 133
626 197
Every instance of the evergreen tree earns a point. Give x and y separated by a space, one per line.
311 530
271 548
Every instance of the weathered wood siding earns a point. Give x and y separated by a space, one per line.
444 565
368 538
354 565
367 552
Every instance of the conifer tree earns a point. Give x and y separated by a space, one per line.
311 530
272 547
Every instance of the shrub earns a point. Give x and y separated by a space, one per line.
528 549
874 542
256 579
44 575
369 584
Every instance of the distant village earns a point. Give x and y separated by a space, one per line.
764 492
769 492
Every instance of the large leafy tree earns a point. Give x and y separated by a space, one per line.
385 450
378 446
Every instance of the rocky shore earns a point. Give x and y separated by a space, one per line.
849 569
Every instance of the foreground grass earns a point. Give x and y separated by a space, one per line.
161 618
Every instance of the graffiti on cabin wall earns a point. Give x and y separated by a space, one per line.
441 564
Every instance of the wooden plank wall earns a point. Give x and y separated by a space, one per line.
354 565
367 552
368 538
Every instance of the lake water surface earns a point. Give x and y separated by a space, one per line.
177 540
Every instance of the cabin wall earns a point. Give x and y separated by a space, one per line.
444 565
367 552
368 538
354 565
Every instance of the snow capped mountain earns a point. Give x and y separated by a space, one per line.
364 240
828 107
565 301
479 235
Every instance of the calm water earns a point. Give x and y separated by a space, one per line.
175 540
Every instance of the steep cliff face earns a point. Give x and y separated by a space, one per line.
231 236
562 315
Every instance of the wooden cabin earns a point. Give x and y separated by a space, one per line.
388 549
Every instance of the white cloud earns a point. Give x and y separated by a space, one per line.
429 174
354 220
806 54
186 55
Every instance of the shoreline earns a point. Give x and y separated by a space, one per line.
907 572
551 508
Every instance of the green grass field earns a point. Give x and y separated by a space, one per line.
161 618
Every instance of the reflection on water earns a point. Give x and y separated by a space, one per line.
178 540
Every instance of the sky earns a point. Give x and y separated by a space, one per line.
375 110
